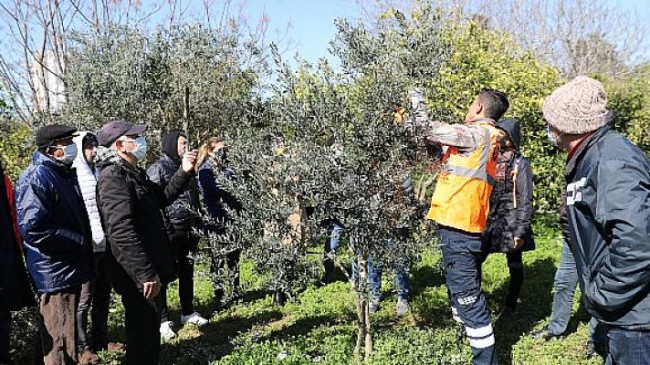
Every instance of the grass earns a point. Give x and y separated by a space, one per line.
320 326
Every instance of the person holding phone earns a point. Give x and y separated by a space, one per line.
141 260
180 218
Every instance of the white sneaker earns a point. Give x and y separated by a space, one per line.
194 318
166 331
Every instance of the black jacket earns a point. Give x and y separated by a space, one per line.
608 207
130 205
15 288
505 221
181 214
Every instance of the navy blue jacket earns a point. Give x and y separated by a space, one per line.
608 209
215 197
54 225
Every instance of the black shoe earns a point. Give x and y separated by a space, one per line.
545 334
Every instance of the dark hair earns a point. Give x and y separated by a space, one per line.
495 103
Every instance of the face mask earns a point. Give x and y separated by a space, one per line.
552 136
69 154
140 150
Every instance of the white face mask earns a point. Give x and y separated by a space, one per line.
69 154
552 136
140 150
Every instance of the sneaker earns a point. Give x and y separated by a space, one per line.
194 319
166 331
403 307
87 357
545 334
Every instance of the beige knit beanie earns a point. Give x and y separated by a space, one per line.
577 107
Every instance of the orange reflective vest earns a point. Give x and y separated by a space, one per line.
461 199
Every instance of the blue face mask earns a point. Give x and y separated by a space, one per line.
69 154
140 150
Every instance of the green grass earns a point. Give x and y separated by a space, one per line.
320 326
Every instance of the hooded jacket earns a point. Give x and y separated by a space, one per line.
15 288
608 209
130 206
182 212
54 225
511 202
87 177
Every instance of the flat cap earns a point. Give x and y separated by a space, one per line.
55 132
113 130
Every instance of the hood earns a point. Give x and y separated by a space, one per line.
80 161
169 145
512 128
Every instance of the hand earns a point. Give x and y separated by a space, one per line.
519 243
189 158
151 289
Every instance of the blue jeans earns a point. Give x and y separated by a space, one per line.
375 273
333 242
564 286
462 257
627 347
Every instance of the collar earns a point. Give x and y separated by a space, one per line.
489 121
577 146
581 148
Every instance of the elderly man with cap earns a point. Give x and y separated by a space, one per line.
56 238
608 209
130 206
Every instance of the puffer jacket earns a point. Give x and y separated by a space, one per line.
511 202
87 178
181 213
54 225
131 208
608 208
15 288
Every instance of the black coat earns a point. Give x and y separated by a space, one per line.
130 206
15 288
182 213
505 221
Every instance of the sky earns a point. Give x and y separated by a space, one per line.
312 21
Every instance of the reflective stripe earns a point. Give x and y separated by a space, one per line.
481 171
479 332
482 342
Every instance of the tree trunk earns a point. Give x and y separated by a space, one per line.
364 336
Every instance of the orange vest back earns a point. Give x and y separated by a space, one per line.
461 199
